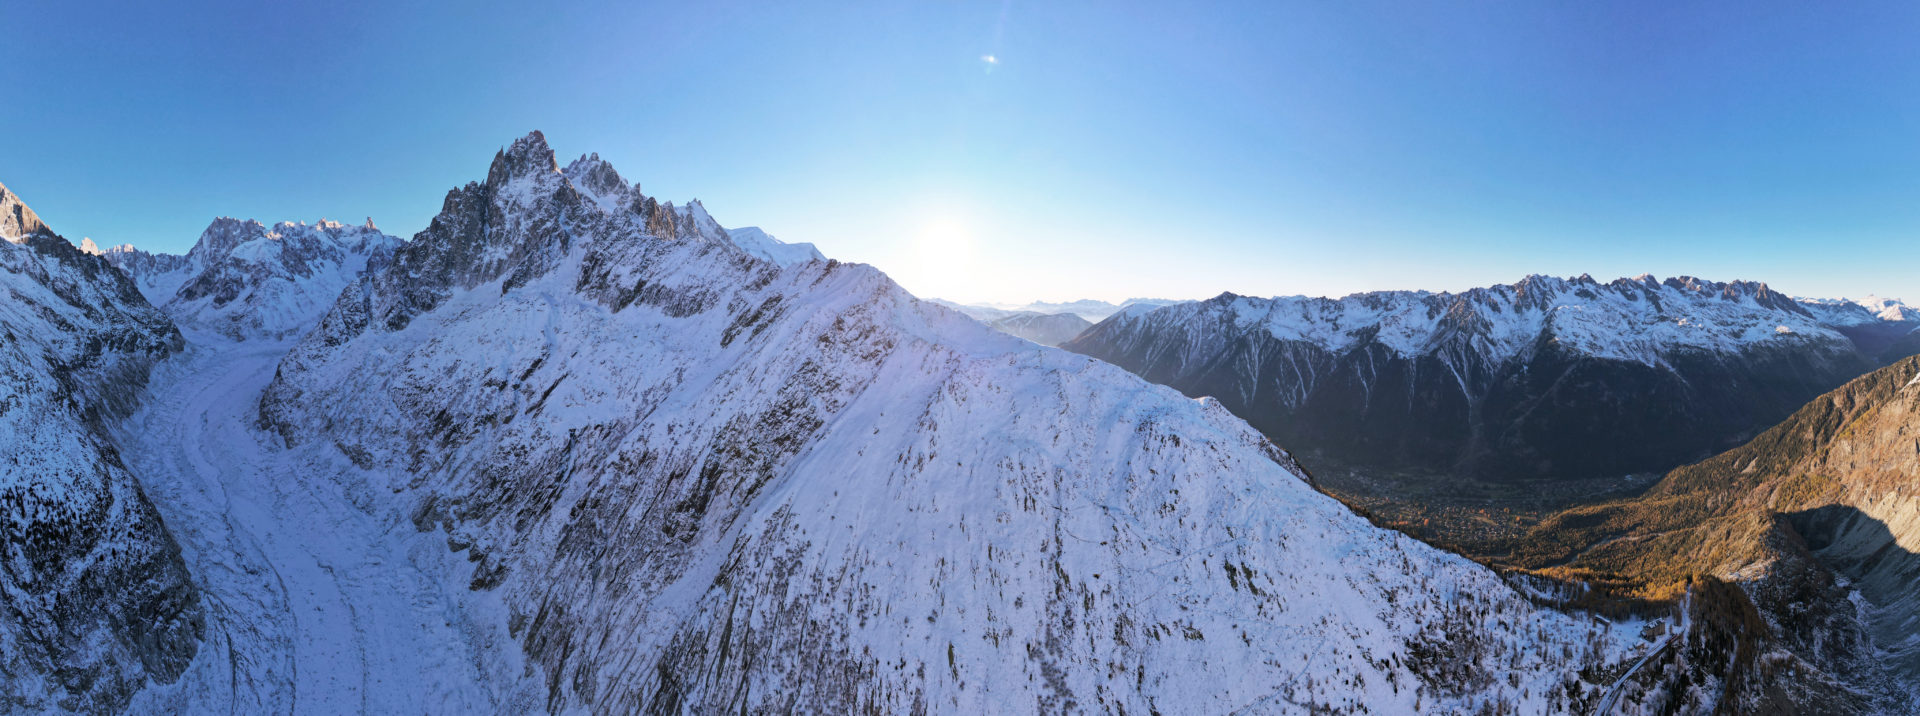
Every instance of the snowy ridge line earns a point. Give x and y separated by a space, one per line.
1638 319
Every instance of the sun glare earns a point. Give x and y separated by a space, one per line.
943 258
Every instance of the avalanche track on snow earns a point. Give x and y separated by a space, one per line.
317 603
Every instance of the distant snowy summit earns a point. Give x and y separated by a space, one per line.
244 279
1860 311
762 245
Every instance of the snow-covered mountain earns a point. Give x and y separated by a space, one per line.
762 245
243 279
695 480
1544 378
94 598
1884 328
1862 311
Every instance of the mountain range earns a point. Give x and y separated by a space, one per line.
573 449
244 279
1545 379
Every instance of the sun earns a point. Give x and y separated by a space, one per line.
943 257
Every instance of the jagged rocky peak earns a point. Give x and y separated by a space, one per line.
1751 291
17 222
521 222
597 179
527 156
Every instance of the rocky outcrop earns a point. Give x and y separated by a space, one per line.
1544 379
699 481
94 599
17 221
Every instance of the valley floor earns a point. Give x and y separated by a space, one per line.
1476 519
317 601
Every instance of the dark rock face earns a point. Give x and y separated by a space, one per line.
1545 379
96 599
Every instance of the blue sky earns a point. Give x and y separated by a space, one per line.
1112 150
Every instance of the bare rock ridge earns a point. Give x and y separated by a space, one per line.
1544 379
95 601
700 480
17 221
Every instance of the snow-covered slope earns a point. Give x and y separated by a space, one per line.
94 598
1546 377
759 243
700 482
243 279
